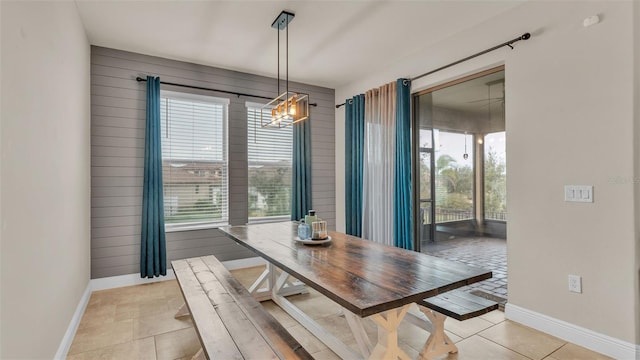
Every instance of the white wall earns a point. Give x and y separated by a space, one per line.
45 174
570 120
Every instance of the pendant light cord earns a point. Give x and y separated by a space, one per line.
287 55
278 93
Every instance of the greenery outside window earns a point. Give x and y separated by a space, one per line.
454 176
269 155
495 176
194 160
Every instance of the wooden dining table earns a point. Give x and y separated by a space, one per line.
365 278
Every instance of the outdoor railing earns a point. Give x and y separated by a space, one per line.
447 215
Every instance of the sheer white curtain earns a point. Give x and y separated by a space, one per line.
378 167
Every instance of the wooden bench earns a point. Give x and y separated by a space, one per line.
229 322
457 304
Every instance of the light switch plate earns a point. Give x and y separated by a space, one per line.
578 193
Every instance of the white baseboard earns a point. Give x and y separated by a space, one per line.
578 335
113 282
67 339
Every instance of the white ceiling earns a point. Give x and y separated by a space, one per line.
331 43
472 96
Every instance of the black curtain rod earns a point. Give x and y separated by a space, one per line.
139 79
509 43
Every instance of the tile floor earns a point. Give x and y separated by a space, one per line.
488 253
137 322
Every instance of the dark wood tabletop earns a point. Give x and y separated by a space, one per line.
362 276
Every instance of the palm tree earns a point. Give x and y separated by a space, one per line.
446 167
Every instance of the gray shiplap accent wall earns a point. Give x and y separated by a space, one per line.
117 155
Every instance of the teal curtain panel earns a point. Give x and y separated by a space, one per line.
301 170
402 209
354 145
153 256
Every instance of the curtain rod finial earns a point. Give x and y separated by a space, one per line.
526 36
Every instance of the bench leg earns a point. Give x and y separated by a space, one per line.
438 342
182 311
388 322
199 355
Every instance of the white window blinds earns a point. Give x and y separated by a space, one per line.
269 156
194 159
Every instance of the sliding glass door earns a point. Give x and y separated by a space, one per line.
459 159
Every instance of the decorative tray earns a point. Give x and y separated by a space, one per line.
313 242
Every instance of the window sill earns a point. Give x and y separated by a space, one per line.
192 227
271 219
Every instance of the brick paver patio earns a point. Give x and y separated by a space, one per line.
488 253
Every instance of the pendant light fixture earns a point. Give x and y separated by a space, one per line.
289 107
465 155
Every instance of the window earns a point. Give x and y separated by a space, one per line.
194 153
495 176
269 156
454 176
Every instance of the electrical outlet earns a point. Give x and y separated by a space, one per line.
575 284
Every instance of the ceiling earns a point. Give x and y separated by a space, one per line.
473 96
331 43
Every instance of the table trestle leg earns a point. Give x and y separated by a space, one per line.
419 319
355 323
262 288
332 342
388 322
263 279
438 342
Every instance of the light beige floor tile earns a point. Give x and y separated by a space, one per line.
308 341
315 305
247 276
173 304
416 337
478 348
100 336
151 308
159 324
575 352
466 328
280 315
527 341
143 349
338 326
177 344
97 314
127 294
141 308
496 316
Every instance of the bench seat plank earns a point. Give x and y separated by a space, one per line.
278 336
459 305
246 336
230 323
217 341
